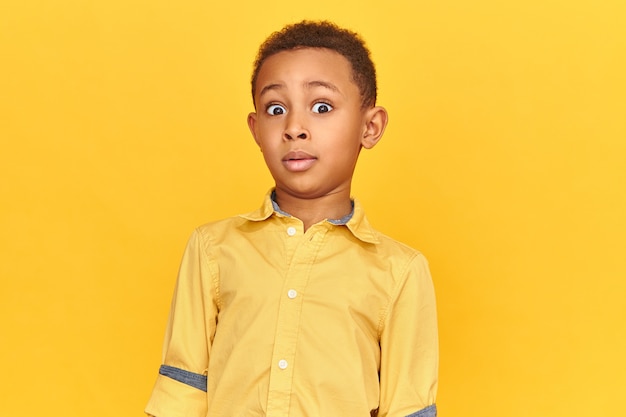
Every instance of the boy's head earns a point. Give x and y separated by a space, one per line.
307 34
314 91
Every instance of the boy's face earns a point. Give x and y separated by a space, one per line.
309 122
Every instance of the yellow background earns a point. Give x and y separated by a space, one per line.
122 125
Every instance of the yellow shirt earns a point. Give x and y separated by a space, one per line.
267 320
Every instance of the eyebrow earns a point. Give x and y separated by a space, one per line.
270 87
324 84
309 84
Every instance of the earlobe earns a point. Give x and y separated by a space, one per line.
376 122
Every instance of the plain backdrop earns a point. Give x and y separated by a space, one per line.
122 127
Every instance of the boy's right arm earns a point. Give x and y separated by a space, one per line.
180 389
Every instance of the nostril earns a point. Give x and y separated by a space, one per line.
291 134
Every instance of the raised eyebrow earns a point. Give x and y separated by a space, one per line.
325 84
269 87
309 84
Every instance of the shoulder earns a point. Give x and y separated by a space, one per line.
218 230
227 223
402 263
397 256
391 247
232 229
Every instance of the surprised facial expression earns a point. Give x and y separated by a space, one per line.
309 123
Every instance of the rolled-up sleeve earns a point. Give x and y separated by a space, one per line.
180 389
409 347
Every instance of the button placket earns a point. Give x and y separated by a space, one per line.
301 254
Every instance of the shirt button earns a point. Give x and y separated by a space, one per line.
282 364
291 231
292 293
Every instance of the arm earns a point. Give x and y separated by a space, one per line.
180 389
409 347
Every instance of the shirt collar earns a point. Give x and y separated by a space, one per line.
356 221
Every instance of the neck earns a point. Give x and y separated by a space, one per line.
314 210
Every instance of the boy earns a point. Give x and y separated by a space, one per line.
300 308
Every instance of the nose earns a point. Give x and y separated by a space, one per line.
290 136
294 128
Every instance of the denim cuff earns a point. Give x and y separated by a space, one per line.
189 378
430 411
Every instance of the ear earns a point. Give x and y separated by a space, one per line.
375 123
252 126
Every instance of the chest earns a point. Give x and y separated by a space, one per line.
324 279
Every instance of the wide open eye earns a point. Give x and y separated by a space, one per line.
276 110
322 108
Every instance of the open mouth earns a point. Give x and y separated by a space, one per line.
296 155
298 161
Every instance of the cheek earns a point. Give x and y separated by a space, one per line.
350 130
270 133
271 154
264 135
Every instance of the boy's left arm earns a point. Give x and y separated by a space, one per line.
409 347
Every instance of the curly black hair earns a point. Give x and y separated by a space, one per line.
323 34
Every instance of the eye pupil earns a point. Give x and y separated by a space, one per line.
275 110
322 108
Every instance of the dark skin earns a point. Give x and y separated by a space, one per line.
311 125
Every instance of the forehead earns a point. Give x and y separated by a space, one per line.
305 65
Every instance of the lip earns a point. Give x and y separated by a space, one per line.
298 161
